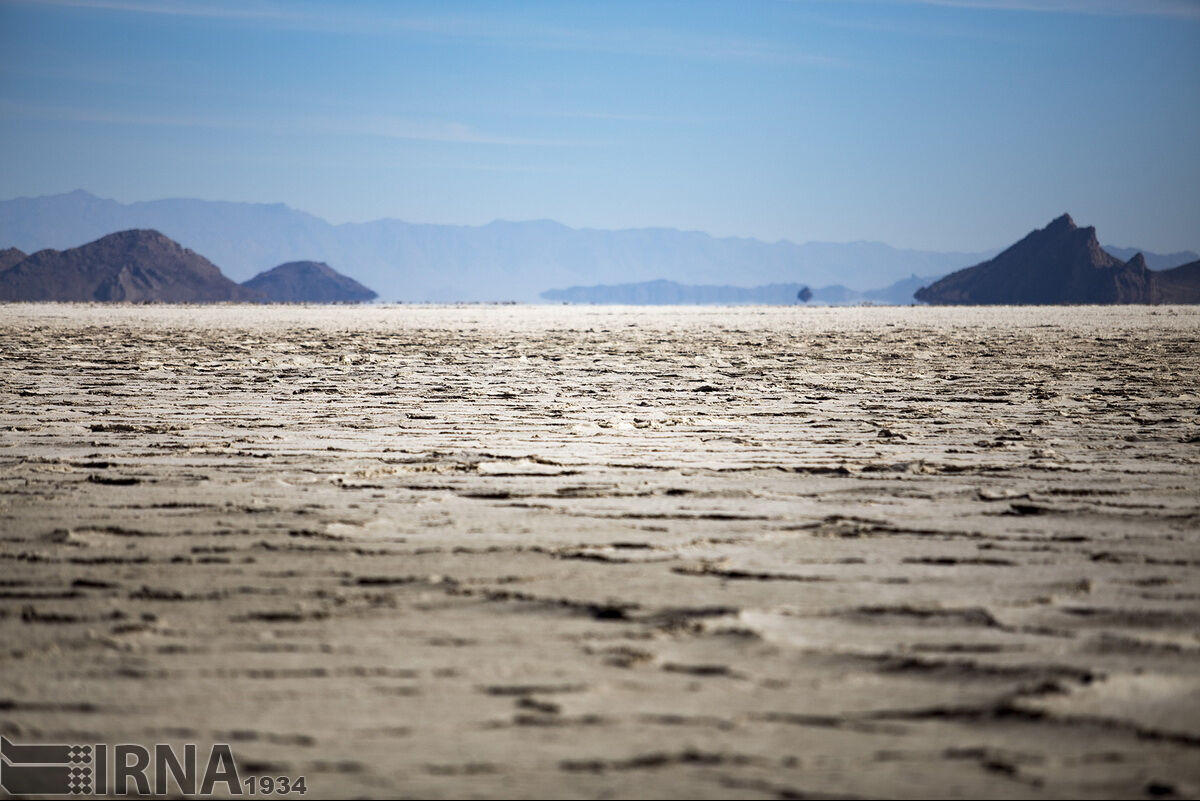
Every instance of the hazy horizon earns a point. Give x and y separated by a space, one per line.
928 125
500 220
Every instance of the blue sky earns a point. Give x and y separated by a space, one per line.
945 124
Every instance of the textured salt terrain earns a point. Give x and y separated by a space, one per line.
493 551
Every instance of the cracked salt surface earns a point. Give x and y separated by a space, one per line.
496 551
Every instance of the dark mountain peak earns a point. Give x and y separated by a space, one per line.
138 265
9 257
139 237
308 282
1062 223
1060 263
146 247
304 268
1064 227
136 235
1060 241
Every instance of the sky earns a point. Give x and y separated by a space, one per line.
934 124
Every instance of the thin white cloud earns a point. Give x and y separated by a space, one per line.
431 131
656 43
617 116
375 126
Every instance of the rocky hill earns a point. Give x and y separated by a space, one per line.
9 257
136 266
1180 285
1062 263
308 282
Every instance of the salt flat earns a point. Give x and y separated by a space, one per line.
603 551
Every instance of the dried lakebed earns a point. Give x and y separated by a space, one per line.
531 551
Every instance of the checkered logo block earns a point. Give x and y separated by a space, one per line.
51 769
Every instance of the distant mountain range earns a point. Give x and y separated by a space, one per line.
497 261
1063 263
664 292
143 266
